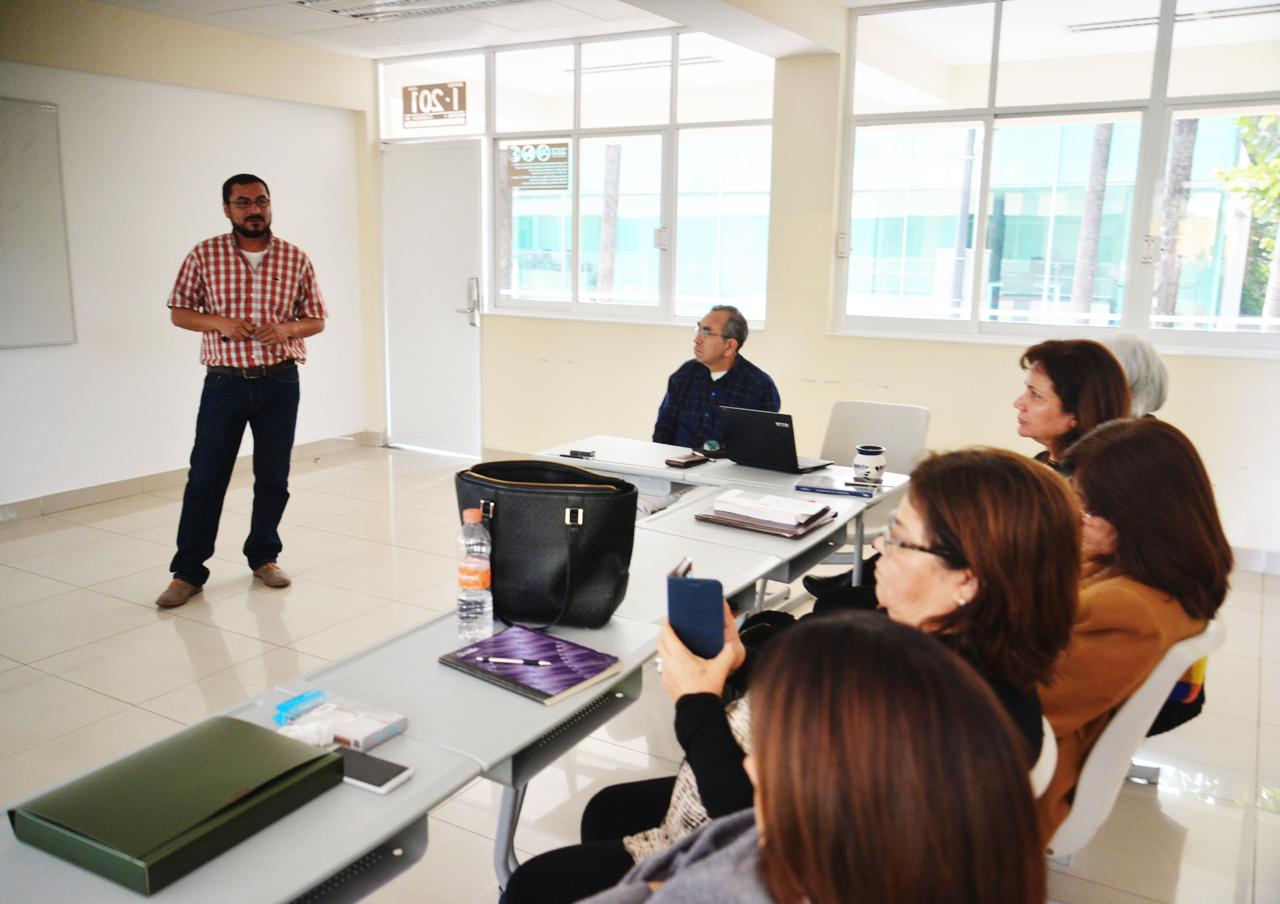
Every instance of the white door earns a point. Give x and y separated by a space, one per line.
431 254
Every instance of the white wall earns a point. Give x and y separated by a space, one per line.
142 168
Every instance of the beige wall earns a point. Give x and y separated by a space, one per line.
110 40
549 381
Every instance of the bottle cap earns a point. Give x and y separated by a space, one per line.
471 516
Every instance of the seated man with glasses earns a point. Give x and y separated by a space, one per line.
717 375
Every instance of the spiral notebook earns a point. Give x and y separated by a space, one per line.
533 663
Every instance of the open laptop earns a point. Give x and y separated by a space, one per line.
763 439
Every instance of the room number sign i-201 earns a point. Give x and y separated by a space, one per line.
443 104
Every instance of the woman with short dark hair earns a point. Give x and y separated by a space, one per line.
984 555
884 770
1072 386
1156 569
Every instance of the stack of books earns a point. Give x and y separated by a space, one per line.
783 516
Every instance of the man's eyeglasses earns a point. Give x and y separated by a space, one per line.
246 203
950 556
705 332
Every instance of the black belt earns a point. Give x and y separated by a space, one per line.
252 373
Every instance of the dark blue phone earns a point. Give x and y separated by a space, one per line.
695 609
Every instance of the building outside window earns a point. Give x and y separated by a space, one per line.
630 175
1038 166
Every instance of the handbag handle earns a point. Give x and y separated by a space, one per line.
573 520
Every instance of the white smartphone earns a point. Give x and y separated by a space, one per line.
372 773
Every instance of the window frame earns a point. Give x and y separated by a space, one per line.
1156 113
669 132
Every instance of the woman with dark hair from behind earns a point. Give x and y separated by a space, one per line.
1156 569
884 771
1072 386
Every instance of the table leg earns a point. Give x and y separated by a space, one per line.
504 845
857 550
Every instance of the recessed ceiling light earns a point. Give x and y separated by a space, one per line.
1233 12
388 10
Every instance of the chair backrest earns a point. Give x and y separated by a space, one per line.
901 429
1042 771
1108 762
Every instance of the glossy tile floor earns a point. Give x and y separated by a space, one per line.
89 669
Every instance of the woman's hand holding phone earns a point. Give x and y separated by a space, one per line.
683 672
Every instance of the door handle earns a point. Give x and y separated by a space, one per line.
472 310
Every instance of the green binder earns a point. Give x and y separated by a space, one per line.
152 817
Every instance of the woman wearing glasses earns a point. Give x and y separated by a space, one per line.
1156 569
984 555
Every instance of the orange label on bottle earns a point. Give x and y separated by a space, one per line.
473 575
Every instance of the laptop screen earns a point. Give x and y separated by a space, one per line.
759 439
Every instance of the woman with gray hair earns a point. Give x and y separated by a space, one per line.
1148 378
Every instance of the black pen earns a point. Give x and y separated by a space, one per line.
501 660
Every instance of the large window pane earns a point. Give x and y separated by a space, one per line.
929 59
1086 50
534 220
1220 223
911 234
626 83
534 89
433 98
1058 219
1225 48
722 220
720 81
620 206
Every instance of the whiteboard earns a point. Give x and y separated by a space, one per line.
35 271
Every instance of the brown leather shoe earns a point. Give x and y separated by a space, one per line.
272 575
177 593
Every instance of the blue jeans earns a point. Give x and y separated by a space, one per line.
269 405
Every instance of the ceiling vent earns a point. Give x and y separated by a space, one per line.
1234 12
390 10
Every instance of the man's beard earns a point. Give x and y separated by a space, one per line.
251 233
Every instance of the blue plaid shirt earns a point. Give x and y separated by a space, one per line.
690 412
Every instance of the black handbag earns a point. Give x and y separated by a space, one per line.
562 539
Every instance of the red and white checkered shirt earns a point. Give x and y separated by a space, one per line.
217 279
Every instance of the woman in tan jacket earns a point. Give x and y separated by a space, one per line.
1156 568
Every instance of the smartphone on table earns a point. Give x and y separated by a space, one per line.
687 461
372 773
695 610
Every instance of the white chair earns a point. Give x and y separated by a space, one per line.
1042 771
901 429
1108 762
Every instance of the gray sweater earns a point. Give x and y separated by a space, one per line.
716 864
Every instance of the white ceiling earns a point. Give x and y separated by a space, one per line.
960 34
481 25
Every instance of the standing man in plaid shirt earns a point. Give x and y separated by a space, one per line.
718 375
255 298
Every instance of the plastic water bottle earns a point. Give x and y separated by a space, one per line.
475 600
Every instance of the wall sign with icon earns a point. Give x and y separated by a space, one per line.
443 104
539 166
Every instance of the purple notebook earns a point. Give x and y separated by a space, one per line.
536 664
